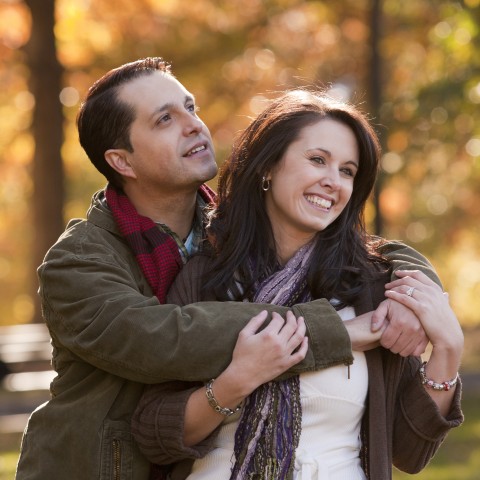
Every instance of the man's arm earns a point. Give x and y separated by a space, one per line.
95 309
404 257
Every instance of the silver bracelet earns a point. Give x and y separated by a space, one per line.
445 386
212 401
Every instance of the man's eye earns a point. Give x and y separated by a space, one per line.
193 108
163 119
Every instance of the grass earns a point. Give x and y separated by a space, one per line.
8 462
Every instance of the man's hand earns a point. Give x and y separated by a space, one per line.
404 333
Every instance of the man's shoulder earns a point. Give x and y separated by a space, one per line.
95 236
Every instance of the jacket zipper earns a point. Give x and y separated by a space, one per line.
116 459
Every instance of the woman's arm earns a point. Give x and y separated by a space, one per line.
260 355
427 300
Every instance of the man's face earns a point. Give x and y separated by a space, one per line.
172 147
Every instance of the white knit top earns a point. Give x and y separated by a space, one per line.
332 409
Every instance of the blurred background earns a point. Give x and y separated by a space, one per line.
413 65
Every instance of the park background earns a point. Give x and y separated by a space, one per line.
413 65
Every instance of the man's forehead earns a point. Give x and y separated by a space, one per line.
150 91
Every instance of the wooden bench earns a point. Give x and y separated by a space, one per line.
25 373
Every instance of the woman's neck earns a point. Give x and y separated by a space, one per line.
287 245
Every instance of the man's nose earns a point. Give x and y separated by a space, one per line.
193 125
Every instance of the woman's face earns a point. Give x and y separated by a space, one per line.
312 184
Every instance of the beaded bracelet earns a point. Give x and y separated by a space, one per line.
212 401
445 386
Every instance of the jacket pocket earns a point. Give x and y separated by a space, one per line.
117 451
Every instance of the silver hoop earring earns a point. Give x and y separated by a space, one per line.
265 184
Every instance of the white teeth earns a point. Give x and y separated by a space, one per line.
195 150
319 202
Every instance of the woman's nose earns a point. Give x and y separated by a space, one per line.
331 179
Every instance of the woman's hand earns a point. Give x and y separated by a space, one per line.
259 356
262 355
427 300
424 297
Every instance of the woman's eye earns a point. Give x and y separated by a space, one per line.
317 159
193 108
349 172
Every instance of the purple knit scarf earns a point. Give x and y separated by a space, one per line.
269 428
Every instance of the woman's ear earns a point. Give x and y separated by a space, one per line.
117 158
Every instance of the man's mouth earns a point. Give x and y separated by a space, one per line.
319 202
195 150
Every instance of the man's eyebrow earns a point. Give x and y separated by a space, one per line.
171 105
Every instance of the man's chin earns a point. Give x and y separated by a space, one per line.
210 173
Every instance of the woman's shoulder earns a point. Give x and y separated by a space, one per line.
187 287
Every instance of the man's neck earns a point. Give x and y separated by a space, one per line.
174 210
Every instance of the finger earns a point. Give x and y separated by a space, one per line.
417 345
421 347
301 353
407 346
254 323
401 344
276 323
298 336
379 316
416 275
390 336
409 301
406 281
290 325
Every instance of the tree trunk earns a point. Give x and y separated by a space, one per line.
47 128
376 98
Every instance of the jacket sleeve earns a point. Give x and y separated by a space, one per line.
98 310
157 424
419 428
403 257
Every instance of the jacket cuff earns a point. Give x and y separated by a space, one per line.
158 426
329 340
431 424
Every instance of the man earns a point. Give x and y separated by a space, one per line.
103 283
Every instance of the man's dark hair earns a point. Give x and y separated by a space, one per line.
104 120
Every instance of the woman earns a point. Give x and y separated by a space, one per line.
288 228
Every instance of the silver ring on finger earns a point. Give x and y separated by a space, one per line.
410 291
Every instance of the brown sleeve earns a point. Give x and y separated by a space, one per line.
419 428
157 424
187 287
158 421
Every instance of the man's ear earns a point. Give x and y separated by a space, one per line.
117 158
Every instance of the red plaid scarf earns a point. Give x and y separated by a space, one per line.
155 251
